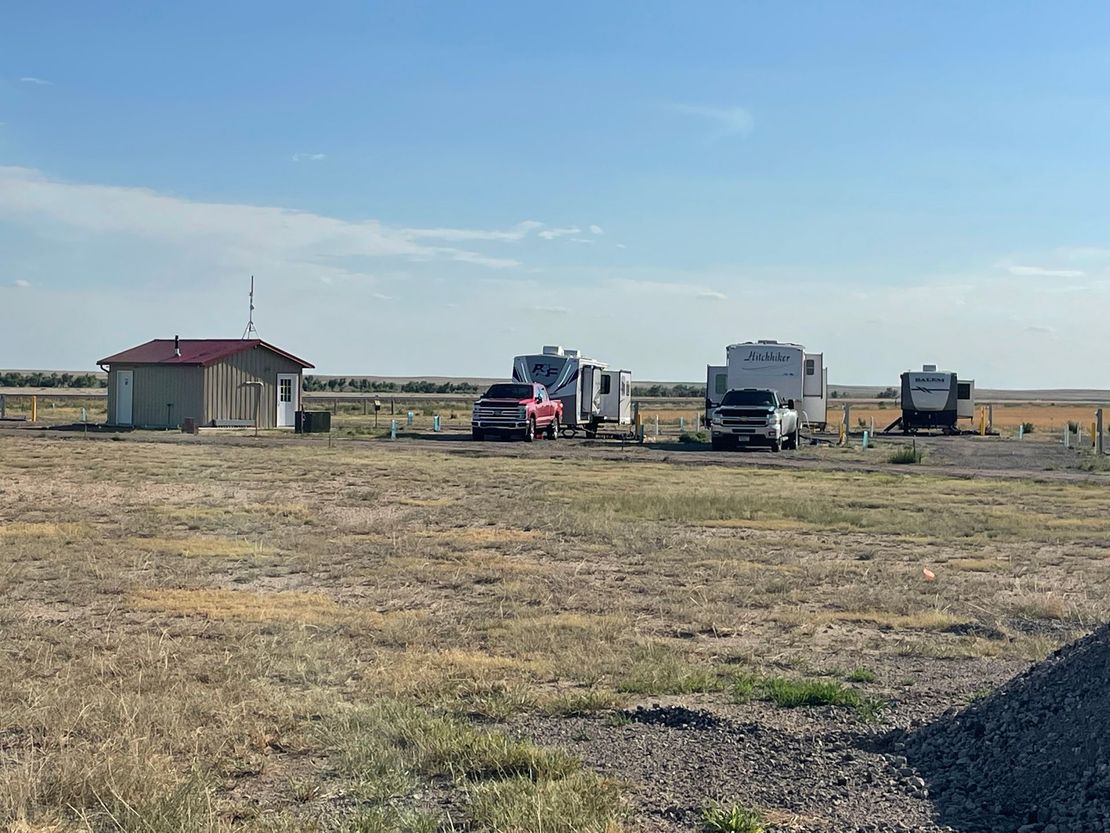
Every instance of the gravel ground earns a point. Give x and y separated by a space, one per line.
809 769
1033 757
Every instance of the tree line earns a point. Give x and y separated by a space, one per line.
343 384
38 379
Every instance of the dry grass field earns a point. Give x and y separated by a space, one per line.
207 636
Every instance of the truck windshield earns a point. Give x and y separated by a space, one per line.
509 392
749 397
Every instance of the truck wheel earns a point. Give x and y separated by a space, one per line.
530 431
553 429
794 440
476 434
776 445
719 443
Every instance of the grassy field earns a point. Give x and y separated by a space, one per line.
209 637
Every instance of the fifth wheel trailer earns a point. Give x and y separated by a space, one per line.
591 393
780 366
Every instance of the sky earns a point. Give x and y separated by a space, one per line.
432 188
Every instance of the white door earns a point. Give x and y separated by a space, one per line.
287 395
125 396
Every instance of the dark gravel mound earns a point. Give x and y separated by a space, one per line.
673 717
1033 757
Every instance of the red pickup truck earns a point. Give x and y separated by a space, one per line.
516 408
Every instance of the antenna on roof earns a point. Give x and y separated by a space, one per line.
250 331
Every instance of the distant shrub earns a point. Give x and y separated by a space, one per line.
1028 427
694 437
907 455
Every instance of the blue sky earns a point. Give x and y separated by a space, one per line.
430 188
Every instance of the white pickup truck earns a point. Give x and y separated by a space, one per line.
754 416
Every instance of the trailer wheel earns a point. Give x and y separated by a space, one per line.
530 430
553 429
591 431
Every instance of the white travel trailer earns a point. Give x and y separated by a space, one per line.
934 398
779 366
591 393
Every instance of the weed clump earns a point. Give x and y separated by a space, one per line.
732 818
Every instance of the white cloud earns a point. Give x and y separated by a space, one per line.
621 246
712 295
517 232
553 233
581 240
22 284
729 121
381 296
42 82
1041 272
596 229
309 157
233 233
551 310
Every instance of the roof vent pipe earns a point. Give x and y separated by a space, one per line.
177 346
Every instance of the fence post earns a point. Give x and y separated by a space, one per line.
1098 432
1067 436
393 429
409 418
990 418
2 407
34 409
364 407
847 418
435 423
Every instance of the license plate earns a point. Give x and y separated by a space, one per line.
740 438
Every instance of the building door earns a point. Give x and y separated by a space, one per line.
125 396
287 395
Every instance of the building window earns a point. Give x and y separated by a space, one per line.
285 390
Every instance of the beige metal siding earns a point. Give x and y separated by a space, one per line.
155 386
228 396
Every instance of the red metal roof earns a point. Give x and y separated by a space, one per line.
194 351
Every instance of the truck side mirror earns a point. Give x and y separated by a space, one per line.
790 404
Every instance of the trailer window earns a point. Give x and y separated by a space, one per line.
721 384
810 367
606 385
963 390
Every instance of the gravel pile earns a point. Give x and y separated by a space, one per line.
1034 757
673 717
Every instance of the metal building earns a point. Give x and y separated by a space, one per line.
215 382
